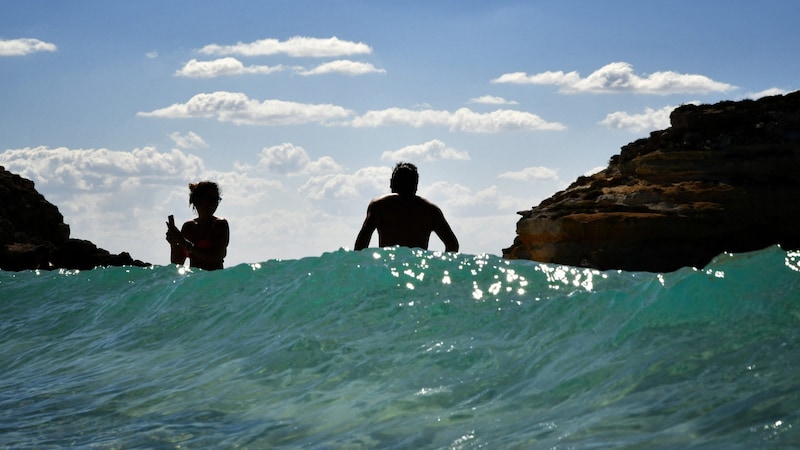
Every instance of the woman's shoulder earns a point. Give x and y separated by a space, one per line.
219 222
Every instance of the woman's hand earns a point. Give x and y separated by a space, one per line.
174 236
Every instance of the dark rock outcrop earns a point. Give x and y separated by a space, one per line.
723 177
33 234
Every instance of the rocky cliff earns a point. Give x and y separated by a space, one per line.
722 177
33 234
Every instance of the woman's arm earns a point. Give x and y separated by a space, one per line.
177 245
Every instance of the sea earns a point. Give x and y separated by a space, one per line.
400 348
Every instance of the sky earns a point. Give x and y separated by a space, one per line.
300 109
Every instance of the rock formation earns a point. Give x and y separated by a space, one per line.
33 234
723 177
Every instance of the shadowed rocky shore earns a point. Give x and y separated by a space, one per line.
722 177
33 234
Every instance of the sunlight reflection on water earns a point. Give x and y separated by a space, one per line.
793 261
490 277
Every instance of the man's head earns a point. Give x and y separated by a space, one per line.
404 179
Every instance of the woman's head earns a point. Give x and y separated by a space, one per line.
203 191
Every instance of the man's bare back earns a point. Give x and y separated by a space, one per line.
405 220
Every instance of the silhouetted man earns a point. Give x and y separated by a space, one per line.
403 218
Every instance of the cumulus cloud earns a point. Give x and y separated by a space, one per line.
242 188
288 159
619 77
343 67
649 120
463 119
24 46
537 173
429 151
492 100
151 54
231 66
188 141
369 180
766 93
98 169
594 170
237 108
452 196
120 199
297 47
223 67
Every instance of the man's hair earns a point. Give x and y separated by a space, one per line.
404 179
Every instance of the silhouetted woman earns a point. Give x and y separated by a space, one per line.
203 240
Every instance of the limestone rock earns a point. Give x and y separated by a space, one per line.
723 177
33 234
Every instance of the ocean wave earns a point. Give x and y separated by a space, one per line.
401 348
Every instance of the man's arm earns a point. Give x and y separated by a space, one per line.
369 226
445 233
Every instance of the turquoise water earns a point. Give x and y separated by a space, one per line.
401 348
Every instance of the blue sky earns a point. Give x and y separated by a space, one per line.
299 109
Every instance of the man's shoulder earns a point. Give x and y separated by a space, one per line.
402 201
425 203
384 199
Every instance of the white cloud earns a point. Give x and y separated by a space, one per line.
98 169
558 77
344 67
766 93
188 141
223 67
649 120
492 100
231 66
151 54
429 151
484 233
461 120
297 47
451 197
537 173
237 108
120 201
594 170
619 77
241 188
24 46
369 180
288 159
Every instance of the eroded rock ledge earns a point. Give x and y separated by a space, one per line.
723 177
33 234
